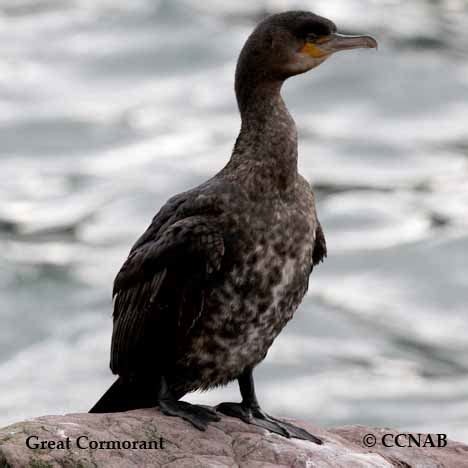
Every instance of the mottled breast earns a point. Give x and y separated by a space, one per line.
269 247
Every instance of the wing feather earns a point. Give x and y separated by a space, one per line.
320 246
160 292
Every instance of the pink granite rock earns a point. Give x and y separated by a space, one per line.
64 441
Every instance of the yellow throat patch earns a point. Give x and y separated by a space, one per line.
313 51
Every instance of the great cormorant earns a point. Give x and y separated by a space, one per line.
222 267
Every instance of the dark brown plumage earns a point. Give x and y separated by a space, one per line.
222 267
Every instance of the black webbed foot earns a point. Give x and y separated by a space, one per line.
254 415
198 416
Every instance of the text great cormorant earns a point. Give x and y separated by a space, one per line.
222 267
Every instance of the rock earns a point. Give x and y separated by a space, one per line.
173 443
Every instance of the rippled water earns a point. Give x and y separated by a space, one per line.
109 107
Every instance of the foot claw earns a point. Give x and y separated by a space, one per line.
257 417
297 432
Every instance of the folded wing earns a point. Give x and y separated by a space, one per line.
159 292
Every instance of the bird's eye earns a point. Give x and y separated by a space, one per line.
311 37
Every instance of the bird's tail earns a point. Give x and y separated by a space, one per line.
125 395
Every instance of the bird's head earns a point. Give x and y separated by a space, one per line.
287 44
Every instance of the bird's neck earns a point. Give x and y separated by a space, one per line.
266 148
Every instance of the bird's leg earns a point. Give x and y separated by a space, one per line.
198 416
250 412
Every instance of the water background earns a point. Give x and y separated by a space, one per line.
108 107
